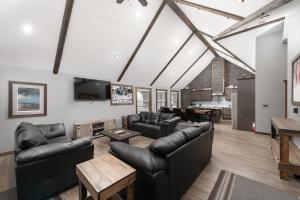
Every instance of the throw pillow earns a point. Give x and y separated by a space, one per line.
145 116
29 136
165 116
154 117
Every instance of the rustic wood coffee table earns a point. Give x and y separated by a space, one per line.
120 134
105 176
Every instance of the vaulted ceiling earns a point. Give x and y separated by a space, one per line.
105 39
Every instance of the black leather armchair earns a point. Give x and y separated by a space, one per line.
171 164
46 159
154 125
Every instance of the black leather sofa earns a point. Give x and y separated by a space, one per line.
171 164
154 125
45 160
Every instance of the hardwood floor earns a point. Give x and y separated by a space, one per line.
243 153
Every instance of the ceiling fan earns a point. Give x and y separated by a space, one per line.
143 2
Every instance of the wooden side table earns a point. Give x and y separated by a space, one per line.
285 128
124 122
104 176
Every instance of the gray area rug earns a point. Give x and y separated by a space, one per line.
230 186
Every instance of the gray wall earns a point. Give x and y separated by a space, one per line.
61 104
271 58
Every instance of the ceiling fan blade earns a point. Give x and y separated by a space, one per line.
120 1
143 2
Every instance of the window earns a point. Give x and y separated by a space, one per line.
161 99
143 99
174 103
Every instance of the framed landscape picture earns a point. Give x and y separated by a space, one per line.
296 81
121 94
27 99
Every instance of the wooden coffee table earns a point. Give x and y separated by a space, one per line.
105 176
120 134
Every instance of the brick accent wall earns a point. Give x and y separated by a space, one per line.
232 73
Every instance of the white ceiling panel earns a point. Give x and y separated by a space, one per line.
233 6
244 45
192 50
165 38
195 70
205 21
29 31
103 35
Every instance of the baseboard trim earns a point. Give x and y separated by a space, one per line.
263 133
6 153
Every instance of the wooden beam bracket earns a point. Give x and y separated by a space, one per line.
63 35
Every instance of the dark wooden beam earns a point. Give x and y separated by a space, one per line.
229 55
63 35
189 23
188 69
250 28
142 40
211 10
173 57
233 55
259 13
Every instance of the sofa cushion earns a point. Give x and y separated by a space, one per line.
141 125
204 126
48 150
60 139
52 130
192 132
165 116
145 116
168 144
154 118
139 158
28 135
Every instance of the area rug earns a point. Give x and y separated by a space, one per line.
230 186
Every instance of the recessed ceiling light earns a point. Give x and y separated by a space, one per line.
138 14
191 52
240 1
27 29
176 41
116 56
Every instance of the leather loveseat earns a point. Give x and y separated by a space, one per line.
171 164
45 160
154 125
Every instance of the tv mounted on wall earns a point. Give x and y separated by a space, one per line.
91 90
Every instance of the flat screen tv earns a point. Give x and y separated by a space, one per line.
91 90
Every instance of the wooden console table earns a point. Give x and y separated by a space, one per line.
285 128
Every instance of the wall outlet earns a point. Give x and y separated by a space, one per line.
295 110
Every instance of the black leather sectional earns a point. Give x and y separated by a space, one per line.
171 164
154 125
46 159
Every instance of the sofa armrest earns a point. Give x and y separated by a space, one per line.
139 158
167 126
133 118
48 150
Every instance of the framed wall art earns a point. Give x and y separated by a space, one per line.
121 94
296 81
27 99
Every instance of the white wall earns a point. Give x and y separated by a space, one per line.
271 57
292 34
61 104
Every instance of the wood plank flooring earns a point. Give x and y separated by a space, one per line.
243 153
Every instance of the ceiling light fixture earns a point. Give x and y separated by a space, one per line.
116 56
240 1
27 29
